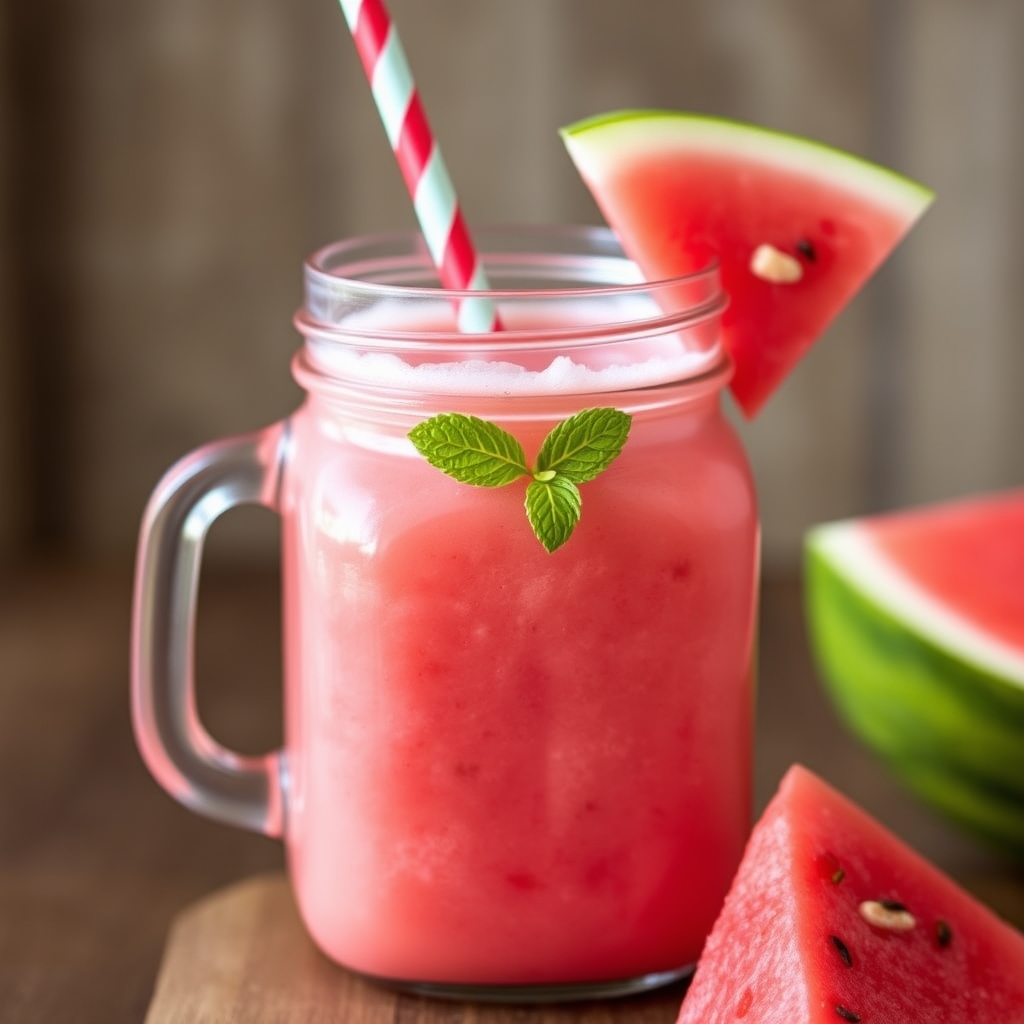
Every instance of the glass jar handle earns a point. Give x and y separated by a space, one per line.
183 757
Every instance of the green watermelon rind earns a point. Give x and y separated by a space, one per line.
950 728
625 135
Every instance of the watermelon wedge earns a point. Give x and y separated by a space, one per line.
796 227
917 623
832 919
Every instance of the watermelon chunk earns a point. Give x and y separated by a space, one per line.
917 624
681 190
831 918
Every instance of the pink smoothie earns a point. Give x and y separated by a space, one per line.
509 766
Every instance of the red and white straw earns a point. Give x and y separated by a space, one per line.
419 158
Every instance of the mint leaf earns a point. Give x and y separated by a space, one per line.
584 445
471 450
478 452
553 508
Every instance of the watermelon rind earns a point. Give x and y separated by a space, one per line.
941 701
634 130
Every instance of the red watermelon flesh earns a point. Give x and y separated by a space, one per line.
967 554
681 190
793 946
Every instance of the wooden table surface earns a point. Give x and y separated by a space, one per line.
96 861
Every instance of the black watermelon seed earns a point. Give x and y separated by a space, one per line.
846 1014
806 250
894 905
943 934
830 868
842 950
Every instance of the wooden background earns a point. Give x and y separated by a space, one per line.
165 165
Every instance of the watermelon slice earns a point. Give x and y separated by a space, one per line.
917 622
832 919
796 227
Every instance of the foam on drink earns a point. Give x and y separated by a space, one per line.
521 361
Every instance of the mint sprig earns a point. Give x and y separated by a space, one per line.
478 452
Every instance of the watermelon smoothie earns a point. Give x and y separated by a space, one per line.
506 772
509 767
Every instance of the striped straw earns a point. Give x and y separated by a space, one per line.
419 158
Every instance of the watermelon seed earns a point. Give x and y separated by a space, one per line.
847 1014
893 905
773 265
842 950
806 250
829 867
943 934
887 914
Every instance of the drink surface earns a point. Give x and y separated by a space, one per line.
509 766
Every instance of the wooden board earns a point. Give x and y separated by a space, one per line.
241 956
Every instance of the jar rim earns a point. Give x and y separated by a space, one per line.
562 263
575 313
